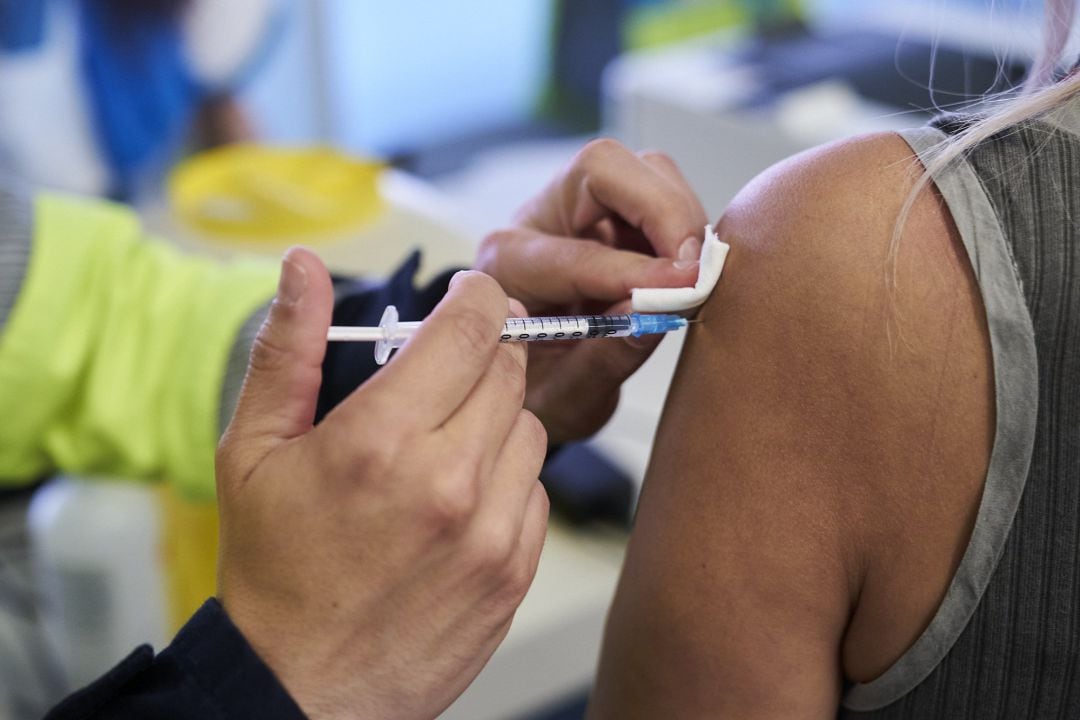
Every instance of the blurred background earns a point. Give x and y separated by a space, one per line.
367 129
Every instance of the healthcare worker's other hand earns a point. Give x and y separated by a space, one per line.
611 221
375 561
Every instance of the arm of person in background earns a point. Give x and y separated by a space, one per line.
120 355
227 45
821 456
373 562
222 120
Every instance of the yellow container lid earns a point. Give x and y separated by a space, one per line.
260 193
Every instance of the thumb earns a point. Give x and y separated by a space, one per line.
277 401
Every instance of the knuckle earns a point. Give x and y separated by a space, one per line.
598 151
542 499
534 433
515 579
267 355
671 204
474 328
452 499
590 251
362 449
496 239
519 579
510 371
487 254
376 459
492 251
490 549
656 157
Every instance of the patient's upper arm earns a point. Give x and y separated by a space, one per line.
820 456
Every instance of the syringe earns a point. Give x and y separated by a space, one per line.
392 334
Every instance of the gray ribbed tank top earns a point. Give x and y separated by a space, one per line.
1005 642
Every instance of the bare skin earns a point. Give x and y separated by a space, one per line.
611 221
821 457
375 561
222 120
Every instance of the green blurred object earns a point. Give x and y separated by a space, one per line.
589 34
769 14
659 24
655 26
114 357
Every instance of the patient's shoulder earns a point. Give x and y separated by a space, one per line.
822 449
814 258
831 210
880 353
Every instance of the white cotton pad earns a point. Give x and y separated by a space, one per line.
664 300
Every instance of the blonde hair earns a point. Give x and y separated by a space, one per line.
1039 94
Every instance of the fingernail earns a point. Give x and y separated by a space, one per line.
292 283
456 277
689 254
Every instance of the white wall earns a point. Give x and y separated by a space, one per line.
286 95
1000 27
386 76
413 72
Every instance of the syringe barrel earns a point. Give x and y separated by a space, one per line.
530 329
581 327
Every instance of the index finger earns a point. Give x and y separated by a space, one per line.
438 367
605 178
544 270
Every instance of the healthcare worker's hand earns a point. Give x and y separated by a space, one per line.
611 221
375 561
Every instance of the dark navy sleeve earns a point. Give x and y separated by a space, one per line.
208 672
